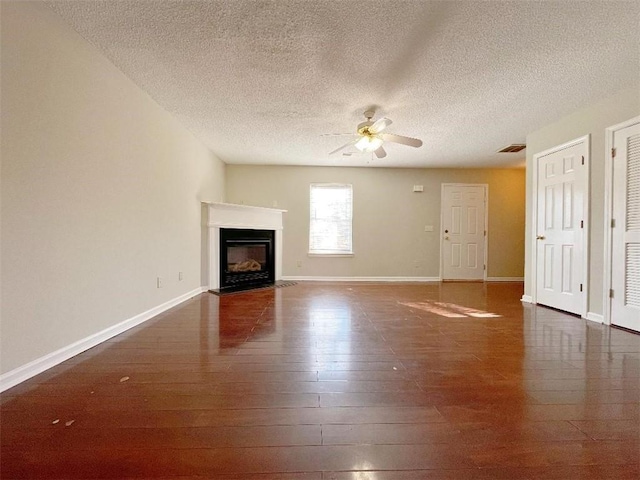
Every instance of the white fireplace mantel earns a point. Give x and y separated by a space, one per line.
229 215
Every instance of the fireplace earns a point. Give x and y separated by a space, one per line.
246 258
242 228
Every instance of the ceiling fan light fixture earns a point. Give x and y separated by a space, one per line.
370 137
368 143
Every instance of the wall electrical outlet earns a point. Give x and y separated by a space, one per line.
428 228
418 188
180 276
160 283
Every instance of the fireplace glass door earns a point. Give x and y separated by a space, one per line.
246 258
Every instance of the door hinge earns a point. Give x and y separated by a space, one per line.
485 233
611 293
580 287
613 153
581 223
582 159
485 267
613 223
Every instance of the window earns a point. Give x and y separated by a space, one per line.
330 219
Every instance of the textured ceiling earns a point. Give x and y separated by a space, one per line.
260 81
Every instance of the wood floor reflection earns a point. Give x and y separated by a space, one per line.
338 381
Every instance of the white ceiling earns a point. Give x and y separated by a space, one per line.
260 81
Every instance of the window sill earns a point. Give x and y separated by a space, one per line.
330 254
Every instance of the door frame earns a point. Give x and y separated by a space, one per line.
608 214
586 139
485 187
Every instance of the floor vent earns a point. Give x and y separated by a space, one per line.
513 148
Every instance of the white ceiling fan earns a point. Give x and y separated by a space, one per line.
370 137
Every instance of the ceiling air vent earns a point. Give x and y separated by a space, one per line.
513 148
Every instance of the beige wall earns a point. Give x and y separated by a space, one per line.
592 120
389 219
101 191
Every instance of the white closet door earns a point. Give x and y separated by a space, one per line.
560 238
625 272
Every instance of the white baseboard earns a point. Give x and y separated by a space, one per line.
505 279
360 279
595 317
526 299
386 279
39 365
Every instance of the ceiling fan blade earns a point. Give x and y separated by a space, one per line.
336 134
342 147
412 142
380 152
380 125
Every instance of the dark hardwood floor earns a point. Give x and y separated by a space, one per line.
338 381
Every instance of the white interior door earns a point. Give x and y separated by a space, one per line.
625 238
560 244
463 232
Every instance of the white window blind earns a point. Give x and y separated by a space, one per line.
331 218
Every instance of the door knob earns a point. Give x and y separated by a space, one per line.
540 237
